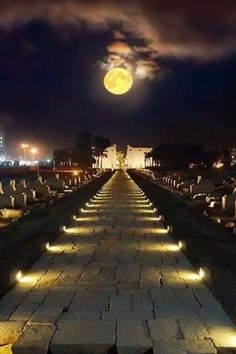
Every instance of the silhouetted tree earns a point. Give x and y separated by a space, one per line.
179 156
100 146
84 150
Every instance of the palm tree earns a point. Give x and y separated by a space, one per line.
83 150
100 146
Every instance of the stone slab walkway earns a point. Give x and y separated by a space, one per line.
114 282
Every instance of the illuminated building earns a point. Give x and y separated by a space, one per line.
135 156
109 158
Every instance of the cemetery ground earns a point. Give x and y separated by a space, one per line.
114 281
208 243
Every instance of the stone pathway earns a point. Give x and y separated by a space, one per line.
114 282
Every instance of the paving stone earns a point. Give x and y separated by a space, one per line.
141 315
126 285
120 302
132 337
90 301
185 297
86 314
24 311
223 336
60 297
48 280
165 328
214 318
6 312
142 301
163 348
89 274
42 263
6 349
46 314
192 328
34 339
67 280
169 260
205 297
128 271
200 346
10 331
175 311
162 296
149 275
84 336
12 299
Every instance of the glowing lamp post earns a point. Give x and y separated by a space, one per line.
34 152
24 147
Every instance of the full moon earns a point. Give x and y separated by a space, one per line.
118 81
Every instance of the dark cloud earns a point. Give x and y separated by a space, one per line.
203 30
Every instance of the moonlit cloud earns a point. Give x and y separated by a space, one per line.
147 69
134 58
120 48
118 35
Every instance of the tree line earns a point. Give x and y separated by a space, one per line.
87 151
180 156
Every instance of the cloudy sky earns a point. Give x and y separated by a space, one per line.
54 55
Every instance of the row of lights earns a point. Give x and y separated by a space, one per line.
202 273
180 245
48 247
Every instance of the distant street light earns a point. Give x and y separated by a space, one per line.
34 151
24 147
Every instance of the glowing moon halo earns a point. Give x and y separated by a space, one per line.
118 81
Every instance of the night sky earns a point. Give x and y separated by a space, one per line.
54 55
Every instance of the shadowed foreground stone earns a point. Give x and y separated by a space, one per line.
84 337
34 339
200 346
132 337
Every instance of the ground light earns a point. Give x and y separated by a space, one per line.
19 275
204 274
62 228
55 249
170 229
172 248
